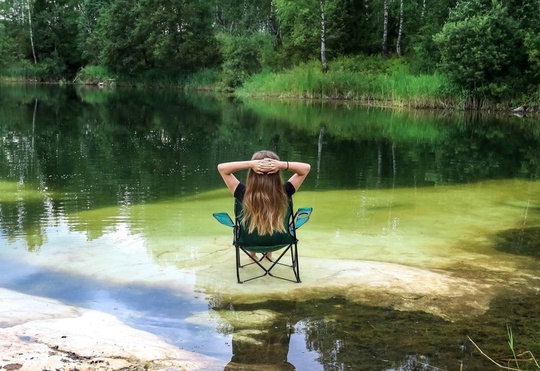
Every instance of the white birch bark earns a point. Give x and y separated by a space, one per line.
385 28
324 64
31 32
400 30
366 8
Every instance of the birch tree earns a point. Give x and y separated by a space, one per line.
400 29
324 64
386 7
31 31
305 28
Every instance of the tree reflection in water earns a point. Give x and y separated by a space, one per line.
261 335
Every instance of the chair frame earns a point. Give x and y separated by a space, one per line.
295 221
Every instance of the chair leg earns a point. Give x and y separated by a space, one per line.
238 264
293 249
296 264
255 261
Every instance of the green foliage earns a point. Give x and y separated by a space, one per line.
55 37
92 75
241 57
300 22
87 40
204 79
532 45
372 79
146 35
21 71
3 44
488 50
482 50
241 17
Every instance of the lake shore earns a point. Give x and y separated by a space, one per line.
42 334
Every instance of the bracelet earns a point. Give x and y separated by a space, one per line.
287 165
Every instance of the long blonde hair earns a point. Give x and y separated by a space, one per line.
265 201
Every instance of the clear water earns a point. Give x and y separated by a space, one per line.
426 227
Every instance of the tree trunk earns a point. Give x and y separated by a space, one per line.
366 8
273 25
31 32
400 31
324 64
385 28
319 155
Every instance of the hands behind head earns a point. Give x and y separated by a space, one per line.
266 166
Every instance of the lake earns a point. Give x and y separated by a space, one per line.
425 234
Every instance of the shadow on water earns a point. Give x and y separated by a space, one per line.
519 241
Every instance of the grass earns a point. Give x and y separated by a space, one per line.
525 357
202 80
24 71
371 79
94 75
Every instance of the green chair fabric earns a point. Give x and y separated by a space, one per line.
253 242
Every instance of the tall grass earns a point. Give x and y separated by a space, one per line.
371 80
202 80
24 71
94 75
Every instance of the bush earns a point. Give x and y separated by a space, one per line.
482 52
93 75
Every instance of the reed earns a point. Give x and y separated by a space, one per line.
94 75
202 80
524 357
24 71
372 80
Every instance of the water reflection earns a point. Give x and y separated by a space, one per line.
112 193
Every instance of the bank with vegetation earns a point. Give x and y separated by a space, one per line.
458 54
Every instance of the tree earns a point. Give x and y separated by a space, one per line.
87 23
482 49
16 37
306 26
400 30
172 35
55 36
386 6
324 63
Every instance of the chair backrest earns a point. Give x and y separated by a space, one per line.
246 239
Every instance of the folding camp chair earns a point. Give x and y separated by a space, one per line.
254 243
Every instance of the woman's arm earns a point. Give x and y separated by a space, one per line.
300 169
227 169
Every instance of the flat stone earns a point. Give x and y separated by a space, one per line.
43 334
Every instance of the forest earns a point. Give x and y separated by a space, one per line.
449 53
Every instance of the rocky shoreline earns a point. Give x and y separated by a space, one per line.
46 335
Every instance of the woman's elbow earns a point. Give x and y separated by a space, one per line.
221 168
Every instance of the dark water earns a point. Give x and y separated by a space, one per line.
67 156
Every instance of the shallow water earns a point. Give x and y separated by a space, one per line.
425 229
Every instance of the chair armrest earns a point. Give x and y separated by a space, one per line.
224 219
302 216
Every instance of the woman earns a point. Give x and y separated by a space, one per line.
264 196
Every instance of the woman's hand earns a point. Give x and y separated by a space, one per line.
266 166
